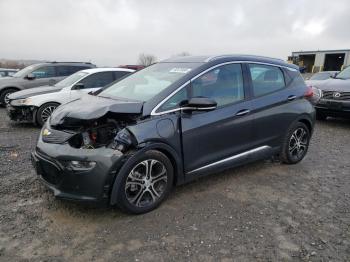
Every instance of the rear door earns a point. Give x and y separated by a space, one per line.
273 103
213 139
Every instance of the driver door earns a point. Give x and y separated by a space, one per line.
212 139
45 75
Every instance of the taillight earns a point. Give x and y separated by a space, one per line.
309 92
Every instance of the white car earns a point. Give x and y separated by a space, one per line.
37 104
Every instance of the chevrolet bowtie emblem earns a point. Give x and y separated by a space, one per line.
46 132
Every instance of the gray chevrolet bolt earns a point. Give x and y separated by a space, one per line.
48 73
172 122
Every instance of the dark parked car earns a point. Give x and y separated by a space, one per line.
172 122
320 76
38 75
332 95
5 72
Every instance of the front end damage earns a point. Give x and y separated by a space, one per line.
21 113
78 157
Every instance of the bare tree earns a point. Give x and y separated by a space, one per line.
184 53
147 59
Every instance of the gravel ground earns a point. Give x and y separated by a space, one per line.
263 212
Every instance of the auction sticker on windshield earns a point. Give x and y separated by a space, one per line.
180 70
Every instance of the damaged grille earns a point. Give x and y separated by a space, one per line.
55 136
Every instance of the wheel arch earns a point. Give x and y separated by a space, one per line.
10 87
2 89
307 122
167 150
37 110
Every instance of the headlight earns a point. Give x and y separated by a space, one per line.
317 92
19 102
81 165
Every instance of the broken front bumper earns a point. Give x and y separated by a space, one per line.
52 163
21 113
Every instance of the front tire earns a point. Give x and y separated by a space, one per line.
144 182
4 95
44 112
295 143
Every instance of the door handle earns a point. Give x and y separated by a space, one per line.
291 98
243 112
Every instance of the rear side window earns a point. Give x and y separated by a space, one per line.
266 79
44 72
98 80
69 70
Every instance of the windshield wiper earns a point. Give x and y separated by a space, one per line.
342 78
108 97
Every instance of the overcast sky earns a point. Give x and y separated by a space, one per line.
113 32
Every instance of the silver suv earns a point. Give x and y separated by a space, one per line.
48 73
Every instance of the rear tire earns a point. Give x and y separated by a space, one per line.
44 112
5 93
295 143
320 116
144 182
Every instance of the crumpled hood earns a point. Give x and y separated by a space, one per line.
331 84
90 107
34 91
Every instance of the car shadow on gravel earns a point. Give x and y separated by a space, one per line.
179 194
335 122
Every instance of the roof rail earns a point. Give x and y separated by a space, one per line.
211 58
70 62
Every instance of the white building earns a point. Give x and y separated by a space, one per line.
321 60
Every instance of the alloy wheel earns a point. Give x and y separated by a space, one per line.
46 113
146 183
298 143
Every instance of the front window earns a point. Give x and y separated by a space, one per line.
44 72
97 80
345 74
223 84
24 72
70 80
147 83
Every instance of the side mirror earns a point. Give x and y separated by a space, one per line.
200 104
78 86
30 76
334 75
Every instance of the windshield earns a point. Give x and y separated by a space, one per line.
70 80
25 71
345 74
145 84
320 76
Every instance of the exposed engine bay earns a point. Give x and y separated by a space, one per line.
98 122
97 135
102 132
